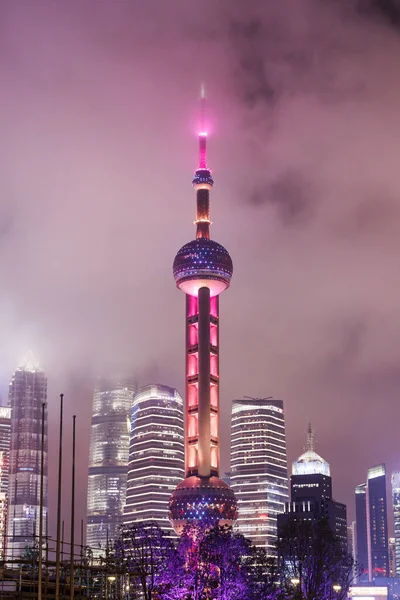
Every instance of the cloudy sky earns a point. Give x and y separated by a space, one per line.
98 120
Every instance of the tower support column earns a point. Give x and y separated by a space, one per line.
204 450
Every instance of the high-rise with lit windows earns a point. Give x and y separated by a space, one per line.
361 533
396 518
311 494
377 527
27 393
5 441
258 473
372 526
156 455
108 463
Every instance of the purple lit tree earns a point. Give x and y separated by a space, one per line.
263 576
145 552
210 563
312 562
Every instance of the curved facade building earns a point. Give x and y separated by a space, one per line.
27 392
259 467
156 455
108 463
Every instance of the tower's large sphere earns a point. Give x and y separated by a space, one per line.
205 500
202 263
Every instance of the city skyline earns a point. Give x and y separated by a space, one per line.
310 236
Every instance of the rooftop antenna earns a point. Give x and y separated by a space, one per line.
251 398
310 445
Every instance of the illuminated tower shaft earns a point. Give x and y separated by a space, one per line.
202 381
202 363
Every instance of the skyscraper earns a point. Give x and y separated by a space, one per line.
202 270
361 532
372 529
396 515
377 529
352 546
259 475
311 493
392 557
27 392
5 440
108 463
156 454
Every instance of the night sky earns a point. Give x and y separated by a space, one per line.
98 145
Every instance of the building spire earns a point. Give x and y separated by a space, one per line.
202 180
203 131
29 362
310 445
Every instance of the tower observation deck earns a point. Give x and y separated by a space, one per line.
203 270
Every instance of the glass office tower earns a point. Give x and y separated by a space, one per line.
108 463
5 441
156 455
361 532
377 528
258 473
396 515
27 392
372 527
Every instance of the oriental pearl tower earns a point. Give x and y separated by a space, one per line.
203 270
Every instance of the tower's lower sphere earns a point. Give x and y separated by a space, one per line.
206 500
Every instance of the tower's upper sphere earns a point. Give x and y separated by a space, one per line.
202 263
202 179
210 501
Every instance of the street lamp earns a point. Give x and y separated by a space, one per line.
295 581
111 579
337 587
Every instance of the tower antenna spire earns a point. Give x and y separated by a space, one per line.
203 131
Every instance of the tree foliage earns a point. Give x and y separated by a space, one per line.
218 564
144 551
312 562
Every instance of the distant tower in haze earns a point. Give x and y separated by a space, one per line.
108 463
202 270
371 519
259 474
396 515
156 455
311 493
27 392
